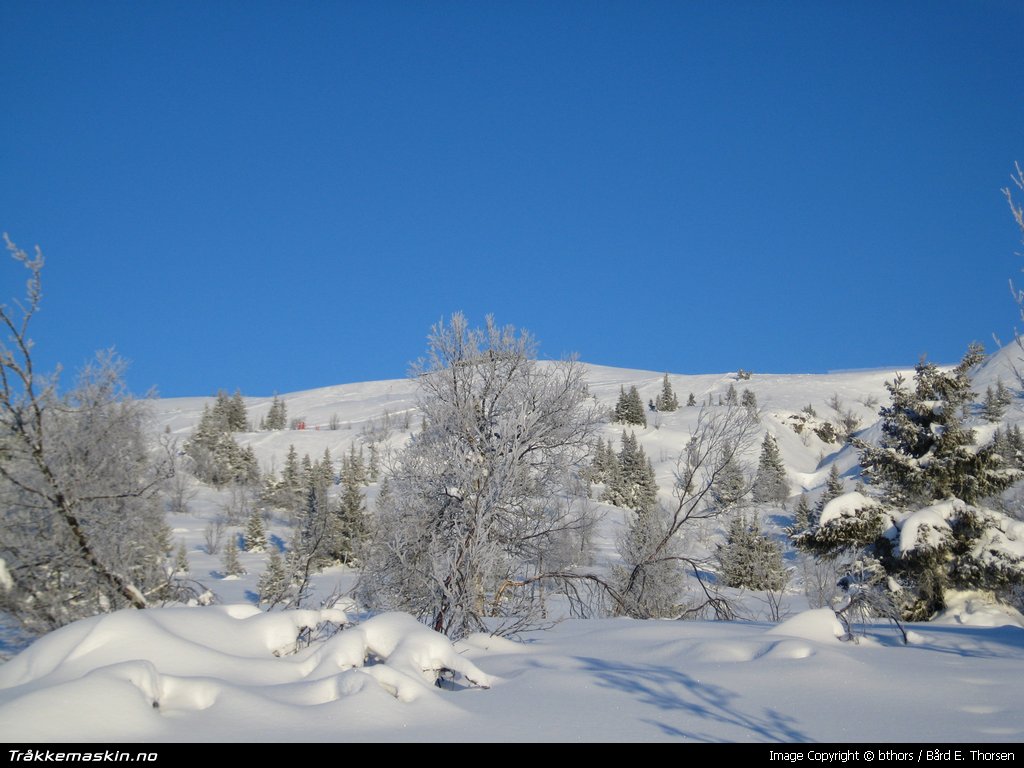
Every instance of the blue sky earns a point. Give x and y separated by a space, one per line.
276 196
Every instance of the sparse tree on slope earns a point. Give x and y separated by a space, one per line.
277 416
667 400
255 533
749 559
770 484
630 408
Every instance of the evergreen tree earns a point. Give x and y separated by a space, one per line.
273 584
731 398
801 516
749 400
351 513
217 458
667 400
237 417
770 484
373 468
1003 395
276 417
632 484
730 485
255 533
355 465
649 577
232 567
749 559
630 408
599 466
996 402
181 560
926 534
926 453
691 401
834 488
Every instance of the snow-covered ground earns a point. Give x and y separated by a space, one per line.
210 674
230 672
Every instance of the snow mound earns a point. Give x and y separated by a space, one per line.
144 665
846 505
819 624
978 609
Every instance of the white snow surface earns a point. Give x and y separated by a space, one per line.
210 674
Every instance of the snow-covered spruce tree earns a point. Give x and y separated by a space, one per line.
232 566
801 516
654 551
749 559
82 529
632 485
996 402
731 398
732 483
926 530
477 505
277 416
351 512
770 483
691 401
273 585
834 487
216 457
667 400
749 400
926 452
255 532
629 409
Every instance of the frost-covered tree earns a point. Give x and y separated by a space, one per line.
255 533
232 565
770 483
927 551
631 484
651 584
477 506
801 516
732 483
351 512
749 558
82 529
667 400
996 401
216 456
181 559
277 416
749 400
834 487
691 401
273 585
629 409
927 531
731 398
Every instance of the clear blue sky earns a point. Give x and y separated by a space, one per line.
278 196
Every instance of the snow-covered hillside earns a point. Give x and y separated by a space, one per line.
226 672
